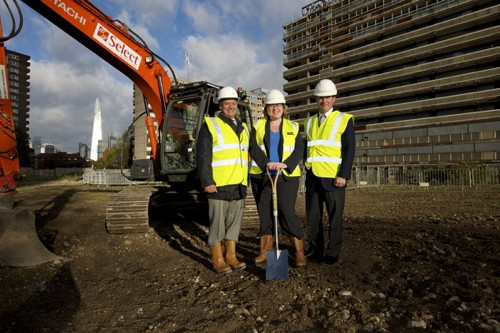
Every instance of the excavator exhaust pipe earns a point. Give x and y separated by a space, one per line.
19 242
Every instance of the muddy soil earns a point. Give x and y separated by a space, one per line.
413 260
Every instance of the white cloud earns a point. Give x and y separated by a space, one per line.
203 17
150 12
139 29
240 43
62 104
229 60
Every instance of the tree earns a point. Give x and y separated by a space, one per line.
112 157
127 143
23 147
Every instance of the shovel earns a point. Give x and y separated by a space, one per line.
276 262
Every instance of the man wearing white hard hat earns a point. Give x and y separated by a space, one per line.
276 145
222 163
329 158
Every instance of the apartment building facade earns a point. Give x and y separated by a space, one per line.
142 144
421 77
255 99
19 83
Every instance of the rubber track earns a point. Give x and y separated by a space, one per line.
127 211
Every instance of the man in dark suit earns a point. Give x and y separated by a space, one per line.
329 158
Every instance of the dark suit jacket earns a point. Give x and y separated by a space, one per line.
348 140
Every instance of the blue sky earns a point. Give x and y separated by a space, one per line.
237 43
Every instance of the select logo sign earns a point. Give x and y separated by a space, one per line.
115 45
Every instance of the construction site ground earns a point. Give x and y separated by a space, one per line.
413 260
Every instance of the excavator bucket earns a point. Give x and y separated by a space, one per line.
19 242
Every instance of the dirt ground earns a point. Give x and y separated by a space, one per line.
413 260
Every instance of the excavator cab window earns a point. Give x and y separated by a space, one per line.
180 129
213 109
245 114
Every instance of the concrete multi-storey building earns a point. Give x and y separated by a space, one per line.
421 77
142 145
255 99
36 145
83 150
18 65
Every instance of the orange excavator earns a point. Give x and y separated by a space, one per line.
179 110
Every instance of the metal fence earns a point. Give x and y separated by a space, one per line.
421 176
474 176
110 178
361 176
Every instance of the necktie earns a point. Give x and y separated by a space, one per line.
321 118
234 124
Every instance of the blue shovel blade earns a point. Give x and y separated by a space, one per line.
277 266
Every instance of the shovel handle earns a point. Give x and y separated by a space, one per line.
274 183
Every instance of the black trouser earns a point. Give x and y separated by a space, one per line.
316 198
287 196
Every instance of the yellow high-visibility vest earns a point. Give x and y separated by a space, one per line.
289 132
229 153
324 146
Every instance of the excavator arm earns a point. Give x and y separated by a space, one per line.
112 41
9 162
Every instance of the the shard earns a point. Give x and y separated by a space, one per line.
96 131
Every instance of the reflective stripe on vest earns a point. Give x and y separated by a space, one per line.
324 146
229 153
289 132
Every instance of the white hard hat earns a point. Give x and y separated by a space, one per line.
274 97
227 92
325 88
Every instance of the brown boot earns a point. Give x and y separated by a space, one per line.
230 246
218 262
266 243
298 245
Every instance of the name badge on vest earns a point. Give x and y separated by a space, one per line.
289 133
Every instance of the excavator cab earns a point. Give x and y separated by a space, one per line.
188 105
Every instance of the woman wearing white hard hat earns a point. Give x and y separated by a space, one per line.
276 145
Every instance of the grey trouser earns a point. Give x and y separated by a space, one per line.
225 218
